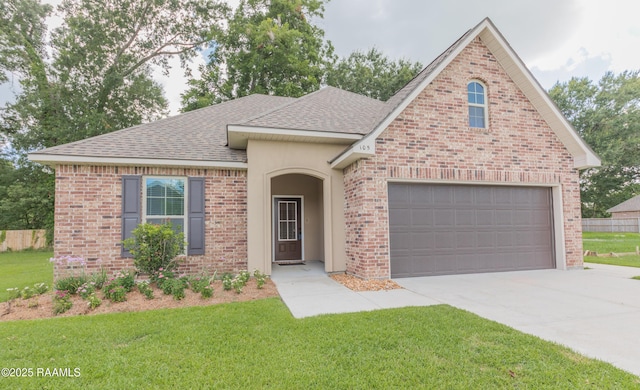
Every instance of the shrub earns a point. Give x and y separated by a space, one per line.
70 283
260 278
177 289
227 282
145 289
206 292
154 247
41 288
116 288
99 278
14 293
238 284
126 279
198 283
61 302
27 292
161 276
93 301
86 289
244 276
115 293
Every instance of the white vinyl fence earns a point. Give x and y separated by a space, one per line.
611 225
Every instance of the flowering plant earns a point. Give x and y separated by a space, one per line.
61 302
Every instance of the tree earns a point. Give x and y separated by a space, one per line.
98 76
269 47
99 79
372 74
607 116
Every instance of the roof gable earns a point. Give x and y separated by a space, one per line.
632 204
583 156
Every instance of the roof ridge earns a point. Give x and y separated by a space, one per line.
283 105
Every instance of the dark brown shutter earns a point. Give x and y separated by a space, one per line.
130 208
196 216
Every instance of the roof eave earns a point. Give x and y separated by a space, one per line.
53 160
239 135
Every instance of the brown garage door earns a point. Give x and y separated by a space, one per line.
455 229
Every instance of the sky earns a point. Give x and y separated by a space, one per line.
556 39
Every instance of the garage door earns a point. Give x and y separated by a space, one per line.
455 229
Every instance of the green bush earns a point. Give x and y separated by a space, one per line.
61 302
71 284
93 301
13 293
154 247
41 288
260 278
145 289
206 292
198 283
116 288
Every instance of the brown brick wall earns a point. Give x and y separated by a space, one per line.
430 140
88 217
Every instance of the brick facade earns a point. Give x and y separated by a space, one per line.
88 217
431 141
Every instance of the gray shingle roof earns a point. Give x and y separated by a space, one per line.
329 109
196 135
200 135
632 204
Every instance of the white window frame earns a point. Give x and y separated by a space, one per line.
485 106
186 203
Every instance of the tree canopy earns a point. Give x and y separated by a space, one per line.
88 77
607 115
372 74
98 78
268 47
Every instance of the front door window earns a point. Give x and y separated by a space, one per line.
288 229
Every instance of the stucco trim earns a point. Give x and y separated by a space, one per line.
327 205
239 135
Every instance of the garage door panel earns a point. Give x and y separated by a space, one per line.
448 229
485 217
465 218
443 217
420 217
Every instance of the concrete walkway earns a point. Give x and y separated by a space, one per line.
595 312
308 291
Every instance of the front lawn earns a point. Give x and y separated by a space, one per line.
25 268
612 242
258 344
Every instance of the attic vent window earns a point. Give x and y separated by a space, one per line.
477 98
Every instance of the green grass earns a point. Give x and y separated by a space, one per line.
612 242
626 261
25 268
258 344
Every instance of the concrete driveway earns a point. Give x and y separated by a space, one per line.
595 312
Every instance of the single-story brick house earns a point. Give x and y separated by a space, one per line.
630 208
470 167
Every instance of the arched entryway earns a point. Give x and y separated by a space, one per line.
297 211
